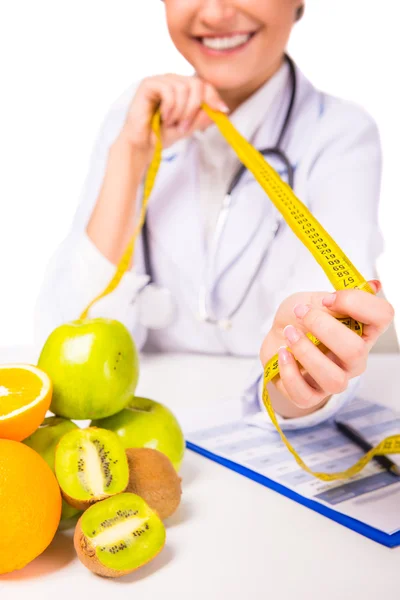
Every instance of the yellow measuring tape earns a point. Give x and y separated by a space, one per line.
125 261
338 268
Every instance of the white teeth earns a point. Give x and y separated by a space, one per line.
226 43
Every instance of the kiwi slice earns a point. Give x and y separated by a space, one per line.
153 477
90 465
44 440
118 535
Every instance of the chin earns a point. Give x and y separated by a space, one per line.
224 78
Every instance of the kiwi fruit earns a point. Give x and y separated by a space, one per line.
153 477
118 535
90 465
44 440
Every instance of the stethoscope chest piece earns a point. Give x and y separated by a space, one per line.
157 308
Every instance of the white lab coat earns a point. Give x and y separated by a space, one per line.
334 146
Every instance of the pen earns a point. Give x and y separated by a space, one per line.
356 437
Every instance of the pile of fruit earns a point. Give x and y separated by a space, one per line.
115 480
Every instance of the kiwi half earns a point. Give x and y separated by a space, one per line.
153 477
90 465
44 440
118 535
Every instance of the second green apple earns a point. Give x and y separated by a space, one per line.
145 423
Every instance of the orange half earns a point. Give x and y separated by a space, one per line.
25 396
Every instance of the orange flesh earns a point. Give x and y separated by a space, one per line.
18 388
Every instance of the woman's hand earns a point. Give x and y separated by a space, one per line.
304 389
179 99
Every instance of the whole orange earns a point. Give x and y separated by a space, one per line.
30 505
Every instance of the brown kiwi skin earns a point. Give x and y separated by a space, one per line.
84 504
87 555
153 478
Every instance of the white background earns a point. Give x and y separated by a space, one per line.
64 63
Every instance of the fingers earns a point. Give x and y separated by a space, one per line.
328 373
180 91
194 117
296 387
157 90
181 100
193 103
350 348
329 376
213 99
375 313
200 119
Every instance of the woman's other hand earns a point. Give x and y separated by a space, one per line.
303 389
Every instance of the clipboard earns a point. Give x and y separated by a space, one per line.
330 502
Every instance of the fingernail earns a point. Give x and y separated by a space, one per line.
291 334
223 108
376 284
284 355
329 300
300 310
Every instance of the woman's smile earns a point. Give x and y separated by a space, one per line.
234 45
224 44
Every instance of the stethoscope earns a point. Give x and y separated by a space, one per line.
157 307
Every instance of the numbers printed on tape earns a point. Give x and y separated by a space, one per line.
340 271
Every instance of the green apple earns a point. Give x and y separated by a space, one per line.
44 441
148 424
94 367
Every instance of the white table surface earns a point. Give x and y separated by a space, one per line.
231 538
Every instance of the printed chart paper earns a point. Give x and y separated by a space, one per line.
372 497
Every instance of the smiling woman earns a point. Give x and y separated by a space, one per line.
247 39
237 49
